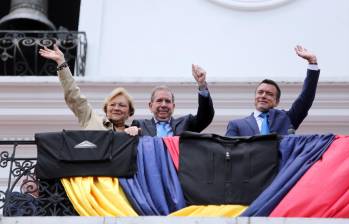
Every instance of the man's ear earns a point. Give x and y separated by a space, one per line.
149 104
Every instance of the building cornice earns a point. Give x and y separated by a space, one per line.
29 107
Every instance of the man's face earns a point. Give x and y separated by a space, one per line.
118 109
265 97
162 105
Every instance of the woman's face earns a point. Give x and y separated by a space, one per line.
118 109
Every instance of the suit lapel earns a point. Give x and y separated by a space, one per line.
174 123
251 121
271 119
151 127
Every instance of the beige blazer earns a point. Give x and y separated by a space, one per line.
88 118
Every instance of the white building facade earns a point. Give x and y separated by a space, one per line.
139 44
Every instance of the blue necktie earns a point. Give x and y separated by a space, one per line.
265 124
163 129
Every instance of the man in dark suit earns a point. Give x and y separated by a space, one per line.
265 119
162 106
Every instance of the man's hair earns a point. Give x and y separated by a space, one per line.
119 92
272 82
159 88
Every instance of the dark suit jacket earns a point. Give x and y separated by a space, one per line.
188 122
280 121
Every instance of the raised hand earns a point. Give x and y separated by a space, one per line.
199 75
307 55
54 54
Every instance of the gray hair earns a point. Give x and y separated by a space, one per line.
159 88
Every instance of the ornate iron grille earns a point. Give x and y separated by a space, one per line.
26 195
19 52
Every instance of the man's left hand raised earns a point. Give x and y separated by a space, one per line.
199 75
307 55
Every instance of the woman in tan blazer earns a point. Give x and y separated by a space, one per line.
118 105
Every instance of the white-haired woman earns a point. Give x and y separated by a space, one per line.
95 192
118 105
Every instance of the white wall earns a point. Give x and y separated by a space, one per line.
157 40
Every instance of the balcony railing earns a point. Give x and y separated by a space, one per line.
25 195
19 52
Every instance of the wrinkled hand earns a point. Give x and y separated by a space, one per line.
54 54
307 55
133 130
199 75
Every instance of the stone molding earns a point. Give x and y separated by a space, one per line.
26 108
248 5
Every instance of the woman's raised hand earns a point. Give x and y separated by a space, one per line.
54 54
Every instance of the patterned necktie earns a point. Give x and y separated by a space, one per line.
265 124
163 129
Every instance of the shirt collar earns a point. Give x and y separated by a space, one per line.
107 123
156 121
256 113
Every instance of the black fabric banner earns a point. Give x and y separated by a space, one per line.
218 170
86 153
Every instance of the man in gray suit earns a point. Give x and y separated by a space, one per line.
266 119
162 105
